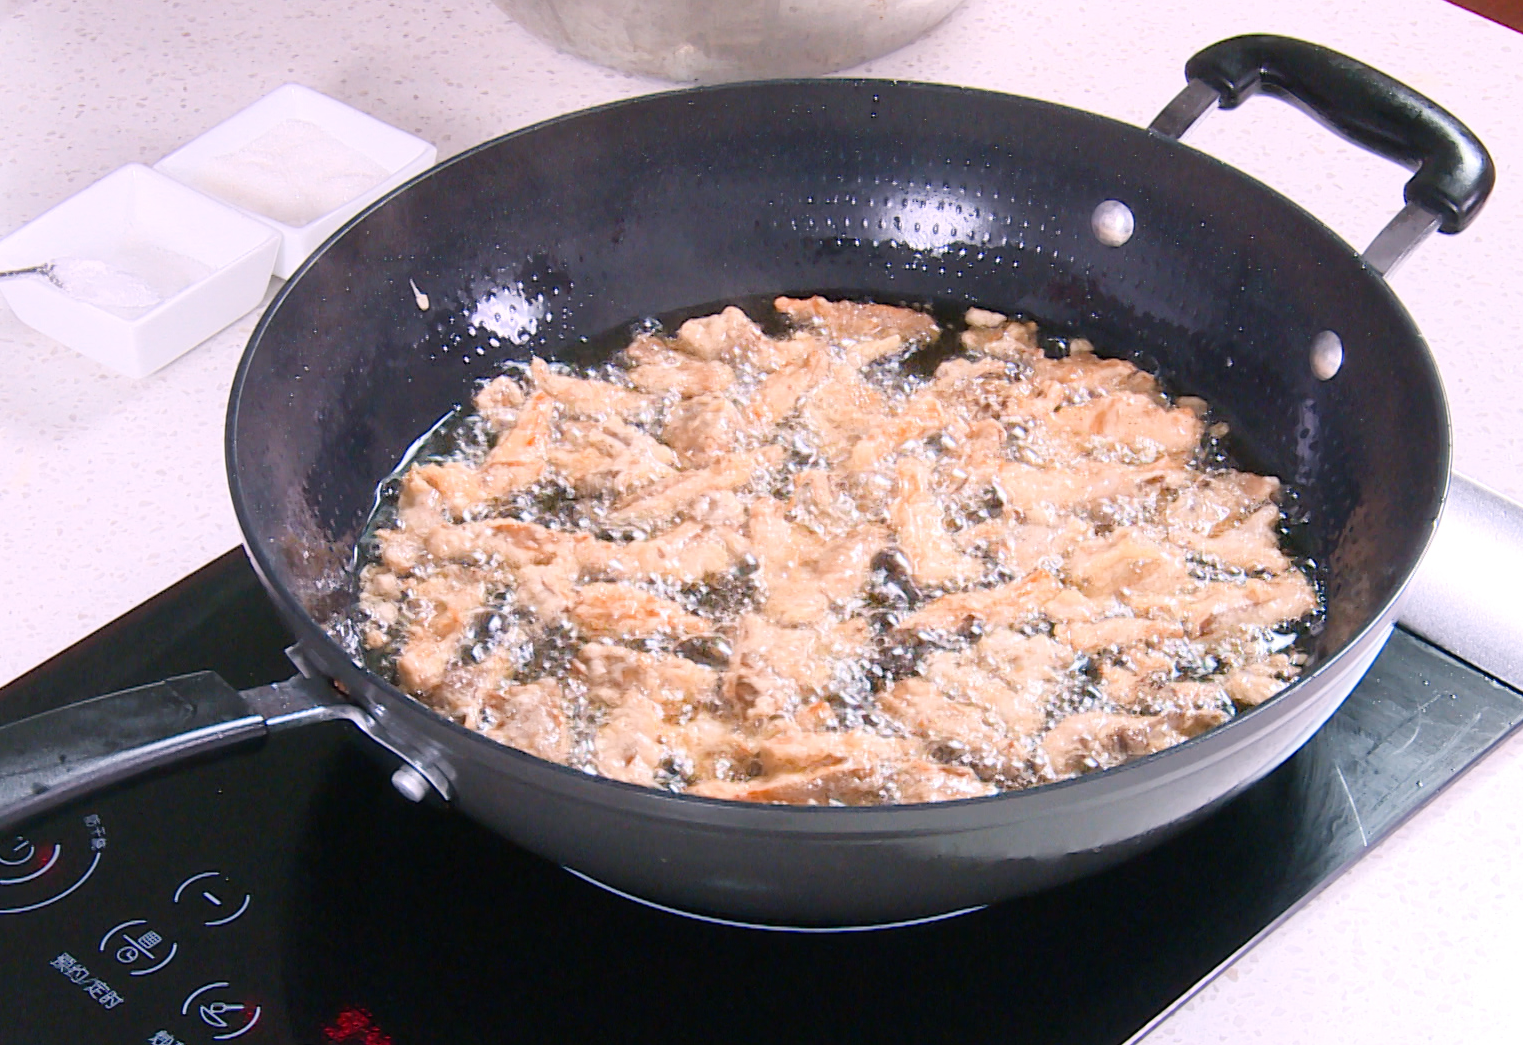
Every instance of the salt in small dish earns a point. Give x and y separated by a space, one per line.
142 269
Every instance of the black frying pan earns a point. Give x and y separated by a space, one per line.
892 190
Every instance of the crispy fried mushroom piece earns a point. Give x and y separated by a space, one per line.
851 321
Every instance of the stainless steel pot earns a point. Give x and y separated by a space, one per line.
712 41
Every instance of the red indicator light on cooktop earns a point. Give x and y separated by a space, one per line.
355 1027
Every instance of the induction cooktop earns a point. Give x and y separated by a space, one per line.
286 893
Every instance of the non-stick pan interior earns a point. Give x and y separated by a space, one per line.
538 241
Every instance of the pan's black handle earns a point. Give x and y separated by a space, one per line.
59 755
48 759
1454 171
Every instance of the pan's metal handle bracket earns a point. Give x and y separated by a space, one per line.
302 700
1412 224
1188 108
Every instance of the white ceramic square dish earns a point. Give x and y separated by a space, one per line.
150 269
300 162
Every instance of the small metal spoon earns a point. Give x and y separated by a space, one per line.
45 270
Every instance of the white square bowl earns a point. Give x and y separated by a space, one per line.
147 226
256 161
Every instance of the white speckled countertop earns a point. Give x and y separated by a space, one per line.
112 489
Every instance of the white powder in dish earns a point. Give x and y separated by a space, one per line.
295 173
129 278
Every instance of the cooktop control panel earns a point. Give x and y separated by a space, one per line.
154 913
115 967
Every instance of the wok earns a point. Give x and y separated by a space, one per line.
898 191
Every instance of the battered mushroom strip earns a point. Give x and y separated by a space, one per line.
853 322
513 464
609 457
803 575
777 671
918 519
660 503
661 369
1004 606
686 553
731 337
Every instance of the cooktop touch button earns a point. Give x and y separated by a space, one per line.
20 861
231 1017
142 950
36 872
212 893
17 853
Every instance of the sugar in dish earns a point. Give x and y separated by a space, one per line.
295 173
300 162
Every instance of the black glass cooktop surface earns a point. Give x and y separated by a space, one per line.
285 893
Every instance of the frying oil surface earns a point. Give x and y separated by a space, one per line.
849 554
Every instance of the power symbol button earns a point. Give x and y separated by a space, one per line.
17 853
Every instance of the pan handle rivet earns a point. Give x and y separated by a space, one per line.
1113 223
1326 355
412 784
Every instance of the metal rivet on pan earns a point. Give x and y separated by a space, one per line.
412 784
1113 223
1326 355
